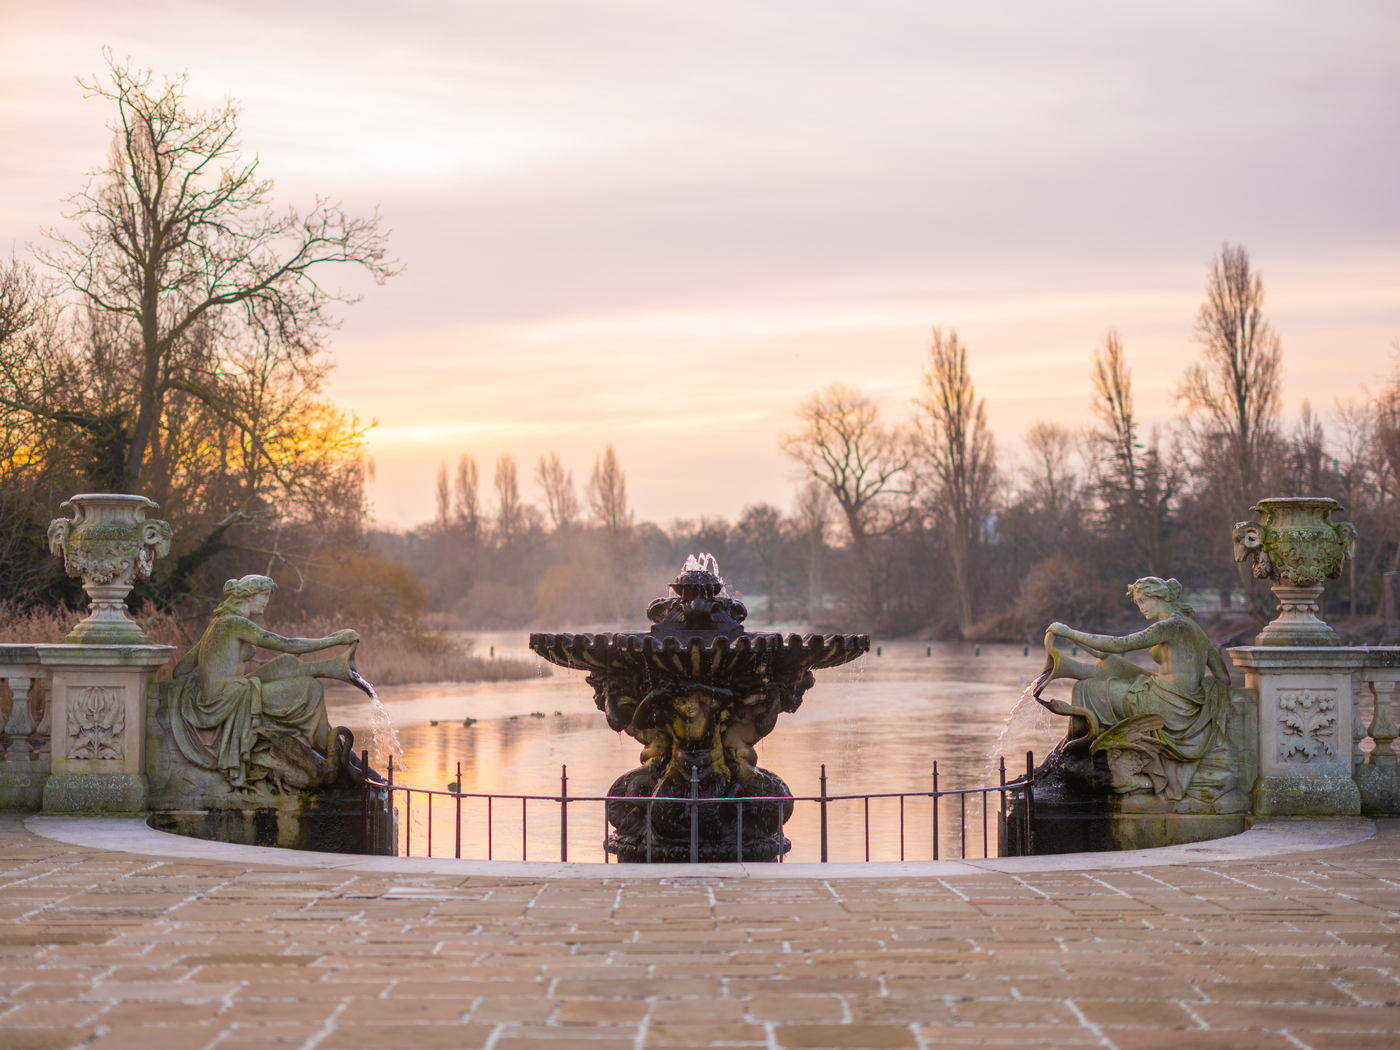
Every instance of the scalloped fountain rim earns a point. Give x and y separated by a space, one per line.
820 648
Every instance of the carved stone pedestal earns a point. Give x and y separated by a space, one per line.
1297 623
97 715
1306 698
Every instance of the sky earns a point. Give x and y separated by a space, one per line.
662 225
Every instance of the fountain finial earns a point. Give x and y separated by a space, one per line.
698 605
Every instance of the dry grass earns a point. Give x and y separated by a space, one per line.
399 655
388 654
30 626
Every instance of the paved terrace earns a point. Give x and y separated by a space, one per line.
113 949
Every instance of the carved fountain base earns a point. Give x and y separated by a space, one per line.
655 829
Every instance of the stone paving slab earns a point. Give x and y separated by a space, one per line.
112 949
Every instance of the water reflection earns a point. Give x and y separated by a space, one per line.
878 725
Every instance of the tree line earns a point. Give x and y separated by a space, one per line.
175 343
922 526
947 535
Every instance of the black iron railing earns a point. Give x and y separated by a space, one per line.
1017 791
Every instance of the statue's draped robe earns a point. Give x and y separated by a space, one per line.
223 729
1193 722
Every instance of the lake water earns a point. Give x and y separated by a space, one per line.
878 724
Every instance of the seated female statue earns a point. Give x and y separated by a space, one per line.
1174 718
270 723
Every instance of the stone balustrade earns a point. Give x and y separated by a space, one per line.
1377 774
24 736
86 753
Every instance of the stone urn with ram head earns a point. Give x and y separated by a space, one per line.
109 543
1296 544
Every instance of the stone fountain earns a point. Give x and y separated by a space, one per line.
698 691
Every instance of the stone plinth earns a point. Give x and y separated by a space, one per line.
97 717
1307 698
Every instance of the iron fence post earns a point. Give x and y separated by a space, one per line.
459 811
823 804
1030 804
739 836
695 814
984 825
867 829
935 809
1003 832
563 814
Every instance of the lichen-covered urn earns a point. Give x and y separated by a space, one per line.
109 544
1296 544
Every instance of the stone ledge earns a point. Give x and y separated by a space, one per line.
1267 838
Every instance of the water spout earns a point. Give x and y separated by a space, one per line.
702 563
386 737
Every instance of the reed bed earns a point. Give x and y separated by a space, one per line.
399 654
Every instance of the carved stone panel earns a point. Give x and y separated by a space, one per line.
97 722
1307 724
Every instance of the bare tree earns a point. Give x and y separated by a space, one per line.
607 494
1051 480
843 446
1133 485
510 513
558 491
444 497
1235 389
1232 395
1387 467
762 525
959 453
177 242
32 464
467 498
815 508
1113 404
190 365
1305 457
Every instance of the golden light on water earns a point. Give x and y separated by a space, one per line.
877 725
